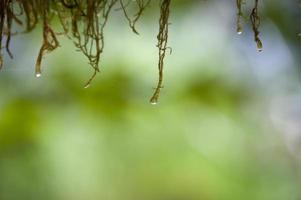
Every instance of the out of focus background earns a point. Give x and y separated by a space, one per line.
227 125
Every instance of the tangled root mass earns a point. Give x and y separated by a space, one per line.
83 21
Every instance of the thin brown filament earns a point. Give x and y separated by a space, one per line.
255 20
162 38
239 16
142 5
50 43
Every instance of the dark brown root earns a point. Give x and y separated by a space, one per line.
142 5
255 20
87 24
5 26
50 43
162 46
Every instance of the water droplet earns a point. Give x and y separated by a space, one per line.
38 74
259 46
239 30
153 101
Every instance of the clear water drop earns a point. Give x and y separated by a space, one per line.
38 74
239 30
153 101
259 46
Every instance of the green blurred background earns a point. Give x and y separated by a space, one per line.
227 126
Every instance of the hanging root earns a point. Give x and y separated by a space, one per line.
3 5
82 21
255 20
162 46
239 28
6 18
142 5
50 43
88 37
